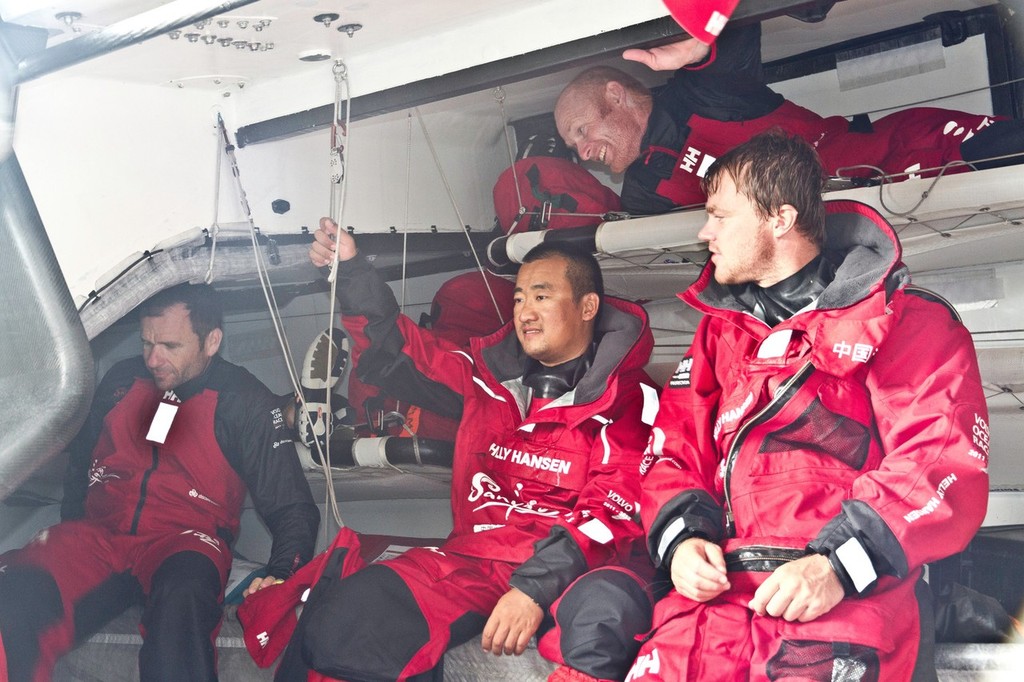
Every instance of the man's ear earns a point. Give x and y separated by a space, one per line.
212 344
591 303
784 220
615 93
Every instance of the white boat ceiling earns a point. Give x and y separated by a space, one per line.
121 151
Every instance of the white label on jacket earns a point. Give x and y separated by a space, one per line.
596 531
651 404
161 423
775 345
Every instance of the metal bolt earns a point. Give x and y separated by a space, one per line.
350 29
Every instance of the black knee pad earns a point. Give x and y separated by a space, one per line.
29 603
365 626
28 597
186 574
599 617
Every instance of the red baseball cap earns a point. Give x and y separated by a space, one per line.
702 19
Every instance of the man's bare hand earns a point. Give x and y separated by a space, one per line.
800 590
258 584
322 250
698 570
670 57
513 622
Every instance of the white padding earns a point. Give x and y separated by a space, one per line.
370 452
651 404
857 563
519 244
596 531
670 533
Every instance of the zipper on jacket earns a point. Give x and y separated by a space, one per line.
142 491
781 398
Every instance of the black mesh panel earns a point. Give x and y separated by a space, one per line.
822 431
824 661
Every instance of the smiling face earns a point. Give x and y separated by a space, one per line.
551 325
172 349
740 240
600 126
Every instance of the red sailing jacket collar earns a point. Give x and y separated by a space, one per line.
625 345
870 255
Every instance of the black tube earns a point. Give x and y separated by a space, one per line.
497 257
396 451
122 34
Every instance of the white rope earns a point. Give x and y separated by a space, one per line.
261 267
339 188
499 97
458 213
890 178
215 225
272 306
408 186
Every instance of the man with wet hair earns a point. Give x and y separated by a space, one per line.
822 440
553 412
153 495
718 98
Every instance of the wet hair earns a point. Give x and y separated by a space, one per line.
772 169
592 82
582 270
201 301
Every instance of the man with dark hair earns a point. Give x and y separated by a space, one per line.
718 99
544 481
822 440
582 270
153 494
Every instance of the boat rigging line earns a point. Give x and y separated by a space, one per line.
458 213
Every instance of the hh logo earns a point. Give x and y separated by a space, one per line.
264 639
681 377
858 352
645 663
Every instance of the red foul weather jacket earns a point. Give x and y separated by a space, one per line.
227 437
555 491
859 424
707 109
